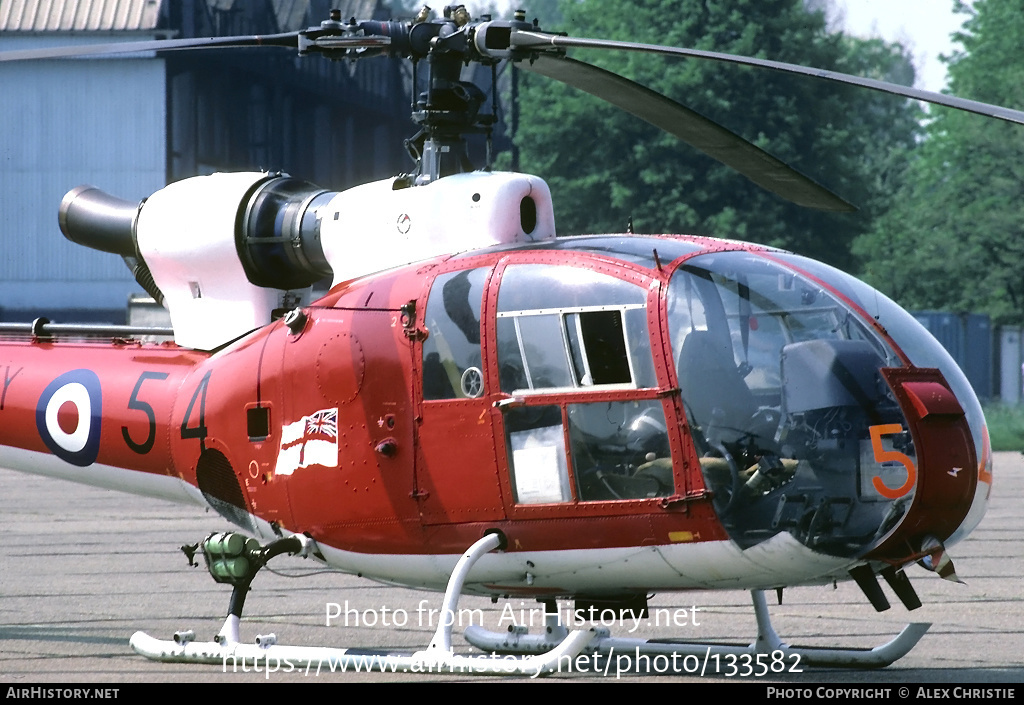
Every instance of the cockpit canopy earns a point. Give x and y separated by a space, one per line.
782 400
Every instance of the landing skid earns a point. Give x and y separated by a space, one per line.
438 657
518 641
515 652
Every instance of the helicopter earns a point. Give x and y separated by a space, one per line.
479 406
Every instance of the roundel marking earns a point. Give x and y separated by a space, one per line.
68 417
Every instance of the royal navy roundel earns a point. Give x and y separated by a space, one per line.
68 417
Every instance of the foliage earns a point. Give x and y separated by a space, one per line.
1005 426
606 167
954 239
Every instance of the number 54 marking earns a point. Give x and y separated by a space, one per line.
136 404
882 455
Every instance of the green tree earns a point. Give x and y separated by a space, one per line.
605 166
954 238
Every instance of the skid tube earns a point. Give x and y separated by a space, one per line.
438 657
518 641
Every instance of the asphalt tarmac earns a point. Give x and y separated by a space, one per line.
82 569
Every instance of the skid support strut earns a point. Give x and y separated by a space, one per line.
438 657
517 641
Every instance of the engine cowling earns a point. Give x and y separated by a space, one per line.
226 251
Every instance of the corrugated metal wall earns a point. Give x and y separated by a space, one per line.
78 15
63 124
106 122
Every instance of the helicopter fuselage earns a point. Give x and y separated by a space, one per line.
632 413
593 418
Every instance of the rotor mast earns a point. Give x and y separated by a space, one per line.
445 113
450 108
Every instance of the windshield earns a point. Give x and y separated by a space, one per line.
796 428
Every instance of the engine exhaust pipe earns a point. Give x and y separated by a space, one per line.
90 217
276 227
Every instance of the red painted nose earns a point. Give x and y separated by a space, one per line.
946 467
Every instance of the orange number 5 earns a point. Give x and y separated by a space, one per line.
882 455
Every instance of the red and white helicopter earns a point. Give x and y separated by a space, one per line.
591 418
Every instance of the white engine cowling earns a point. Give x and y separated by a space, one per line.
373 227
186 233
228 250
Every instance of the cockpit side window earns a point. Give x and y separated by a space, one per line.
620 450
597 341
452 366
565 331
562 328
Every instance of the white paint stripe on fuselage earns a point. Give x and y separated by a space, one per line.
108 477
778 561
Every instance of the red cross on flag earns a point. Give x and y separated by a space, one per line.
312 440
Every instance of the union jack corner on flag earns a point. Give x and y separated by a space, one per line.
312 440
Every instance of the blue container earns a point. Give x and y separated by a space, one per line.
968 339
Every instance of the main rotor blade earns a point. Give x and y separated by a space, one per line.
289 40
536 40
693 128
